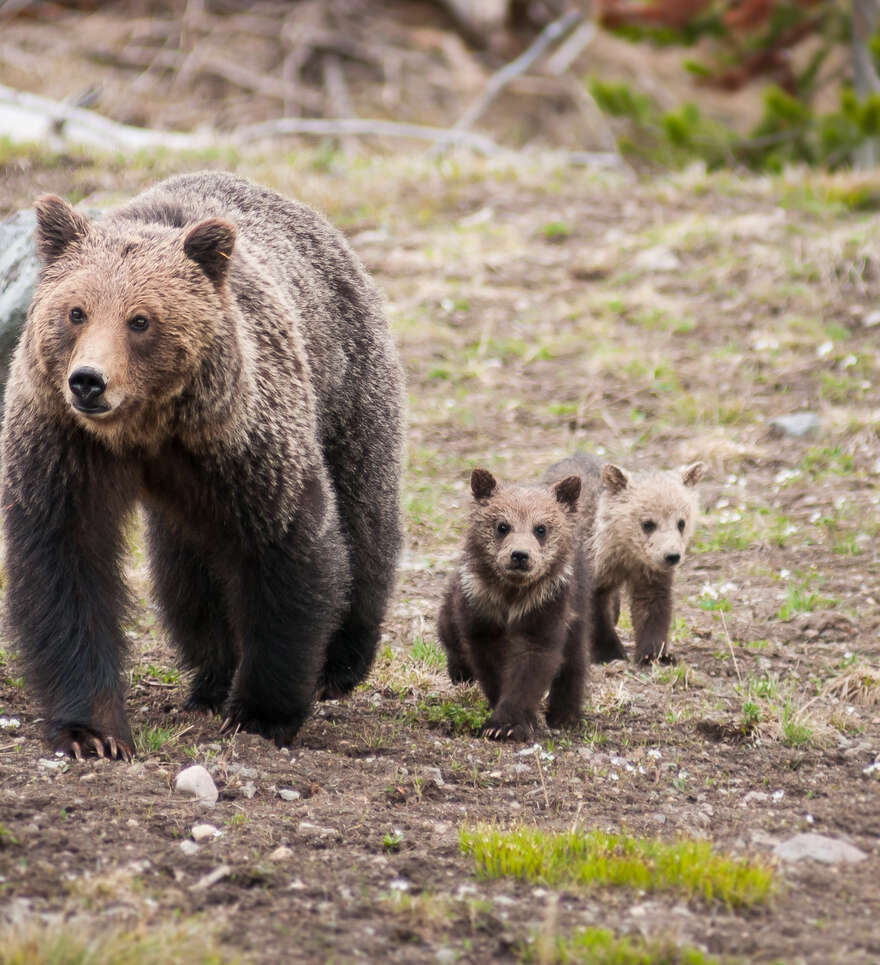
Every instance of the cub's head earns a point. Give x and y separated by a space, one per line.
520 535
123 312
647 519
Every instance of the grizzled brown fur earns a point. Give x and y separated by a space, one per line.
217 353
638 526
515 611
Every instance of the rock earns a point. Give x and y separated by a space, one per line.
797 424
19 268
871 320
660 258
754 797
434 775
819 848
204 832
286 794
218 874
195 780
189 847
248 790
281 853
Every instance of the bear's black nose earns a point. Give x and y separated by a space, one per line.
672 558
520 559
87 384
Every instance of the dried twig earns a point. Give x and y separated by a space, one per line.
500 79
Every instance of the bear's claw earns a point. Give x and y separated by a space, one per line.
81 742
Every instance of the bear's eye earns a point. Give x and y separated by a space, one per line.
139 323
649 526
502 529
681 526
541 531
76 315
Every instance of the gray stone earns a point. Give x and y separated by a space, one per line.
819 848
286 794
189 848
195 780
204 832
19 268
797 424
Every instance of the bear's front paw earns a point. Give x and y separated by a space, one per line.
79 741
510 727
564 719
282 732
664 657
459 673
607 648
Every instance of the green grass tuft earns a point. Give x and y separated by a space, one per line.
463 716
599 859
599 946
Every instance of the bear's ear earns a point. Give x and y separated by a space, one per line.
210 245
482 483
567 492
614 479
58 226
693 473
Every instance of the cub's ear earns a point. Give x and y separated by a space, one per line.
210 245
567 491
614 479
693 473
482 483
58 226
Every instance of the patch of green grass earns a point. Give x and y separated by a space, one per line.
463 716
152 740
801 599
599 946
392 841
751 715
602 859
429 653
187 942
557 230
165 675
795 732
823 461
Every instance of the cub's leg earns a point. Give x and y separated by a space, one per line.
605 641
194 604
651 606
457 663
565 703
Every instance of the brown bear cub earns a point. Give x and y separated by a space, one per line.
515 612
216 353
638 526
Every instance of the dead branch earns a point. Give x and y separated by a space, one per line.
501 78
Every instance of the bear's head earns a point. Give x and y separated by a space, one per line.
123 315
521 535
646 520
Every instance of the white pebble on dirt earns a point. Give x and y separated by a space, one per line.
204 832
819 847
195 780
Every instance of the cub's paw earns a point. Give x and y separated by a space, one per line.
207 695
509 727
665 657
607 649
459 673
237 717
79 741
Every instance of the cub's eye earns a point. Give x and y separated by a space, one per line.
502 529
139 323
681 526
649 526
540 531
77 316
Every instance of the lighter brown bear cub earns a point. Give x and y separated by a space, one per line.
638 527
216 353
514 615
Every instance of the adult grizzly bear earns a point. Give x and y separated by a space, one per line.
216 352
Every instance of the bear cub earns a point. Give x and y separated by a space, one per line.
215 353
637 527
516 609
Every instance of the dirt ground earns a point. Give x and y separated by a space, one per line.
538 308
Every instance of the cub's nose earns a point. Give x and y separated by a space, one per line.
672 558
520 559
87 384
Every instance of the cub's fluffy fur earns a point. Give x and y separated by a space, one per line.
515 613
637 526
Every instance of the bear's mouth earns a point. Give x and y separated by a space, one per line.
93 411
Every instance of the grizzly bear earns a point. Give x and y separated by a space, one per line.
515 611
637 527
216 353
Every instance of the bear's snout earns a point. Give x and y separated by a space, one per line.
87 385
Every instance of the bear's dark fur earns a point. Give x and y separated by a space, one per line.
217 353
516 609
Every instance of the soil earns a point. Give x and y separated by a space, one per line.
539 308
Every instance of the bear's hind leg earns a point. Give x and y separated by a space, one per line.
292 599
194 607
